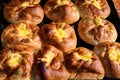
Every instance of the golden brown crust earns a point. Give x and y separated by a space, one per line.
60 35
50 64
96 30
23 11
109 53
3 75
88 9
21 33
30 1
61 12
84 64
23 69
117 6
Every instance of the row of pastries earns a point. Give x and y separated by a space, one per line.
50 51
20 39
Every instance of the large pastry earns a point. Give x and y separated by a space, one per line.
117 6
61 11
109 53
23 11
96 30
16 63
50 64
83 64
93 8
61 35
21 33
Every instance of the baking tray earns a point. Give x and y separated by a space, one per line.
113 17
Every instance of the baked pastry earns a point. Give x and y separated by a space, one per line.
96 30
30 1
117 6
21 33
61 11
23 11
61 35
93 8
16 63
83 64
109 53
49 64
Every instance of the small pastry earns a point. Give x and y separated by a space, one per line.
21 33
93 8
16 63
96 30
83 64
49 64
61 11
23 11
61 35
109 54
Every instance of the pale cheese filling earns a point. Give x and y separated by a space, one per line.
23 32
60 33
62 2
14 59
98 22
96 3
47 58
83 57
114 54
25 4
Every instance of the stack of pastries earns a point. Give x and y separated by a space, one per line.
20 42
49 51
94 28
20 39
79 63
